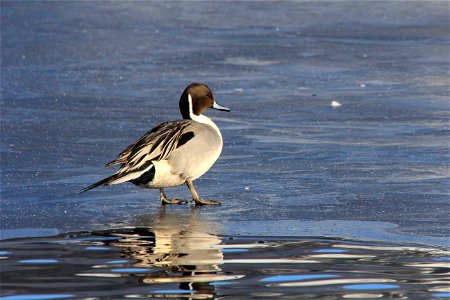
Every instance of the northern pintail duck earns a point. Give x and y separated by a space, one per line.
174 152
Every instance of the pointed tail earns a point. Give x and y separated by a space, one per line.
106 181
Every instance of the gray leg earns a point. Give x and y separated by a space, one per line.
164 200
197 199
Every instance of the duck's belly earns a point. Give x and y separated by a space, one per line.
165 176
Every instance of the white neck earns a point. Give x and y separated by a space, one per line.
201 118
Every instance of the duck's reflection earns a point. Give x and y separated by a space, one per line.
181 249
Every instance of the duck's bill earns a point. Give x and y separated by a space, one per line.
219 107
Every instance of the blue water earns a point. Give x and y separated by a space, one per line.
172 262
38 261
37 297
281 278
370 286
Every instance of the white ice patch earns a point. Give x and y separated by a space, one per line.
335 103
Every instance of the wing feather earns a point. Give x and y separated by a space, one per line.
157 144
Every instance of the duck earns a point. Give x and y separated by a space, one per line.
175 152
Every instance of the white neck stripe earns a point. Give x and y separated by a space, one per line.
201 118
191 109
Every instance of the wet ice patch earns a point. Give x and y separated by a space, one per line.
27 232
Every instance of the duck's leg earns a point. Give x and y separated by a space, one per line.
197 199
165 201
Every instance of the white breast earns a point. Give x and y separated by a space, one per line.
191 160
196 157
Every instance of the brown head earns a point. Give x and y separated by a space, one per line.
196 98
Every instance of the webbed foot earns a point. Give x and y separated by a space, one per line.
199 202
173 201
165 201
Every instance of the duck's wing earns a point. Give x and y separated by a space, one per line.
157 144
152 142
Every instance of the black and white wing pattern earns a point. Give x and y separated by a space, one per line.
157 144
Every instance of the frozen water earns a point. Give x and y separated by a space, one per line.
83 79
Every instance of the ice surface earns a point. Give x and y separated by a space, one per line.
83 79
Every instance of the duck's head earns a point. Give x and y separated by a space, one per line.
196 98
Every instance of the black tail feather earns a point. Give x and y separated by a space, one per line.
105 181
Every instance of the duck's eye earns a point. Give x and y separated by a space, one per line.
208 95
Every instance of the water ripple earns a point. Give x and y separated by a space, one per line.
168 261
